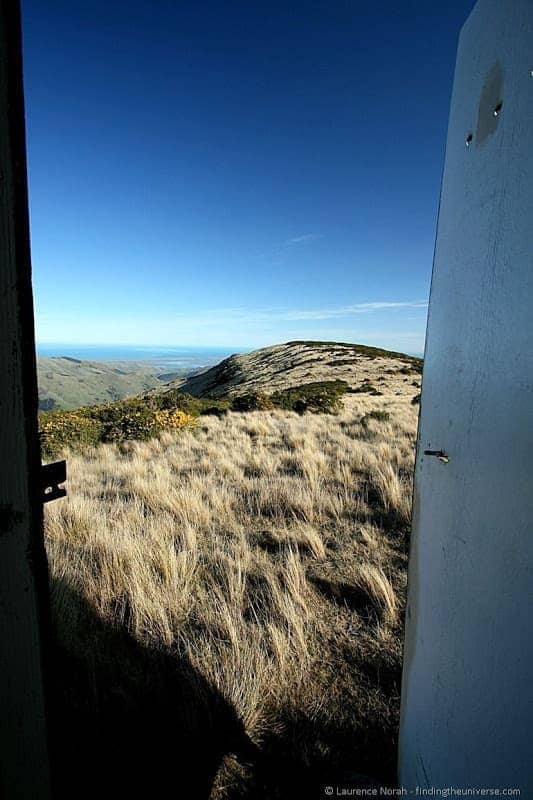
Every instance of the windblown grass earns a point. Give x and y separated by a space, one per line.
268 550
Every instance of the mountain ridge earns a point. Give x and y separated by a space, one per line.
282 366
67 382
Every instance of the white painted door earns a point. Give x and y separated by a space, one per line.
467 709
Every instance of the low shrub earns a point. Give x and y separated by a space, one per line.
214 411
137 418
254 401
318 397
365 387
60 429
129 419
186 402
173 419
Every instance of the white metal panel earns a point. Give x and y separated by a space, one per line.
468 672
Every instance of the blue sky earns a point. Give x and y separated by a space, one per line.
236 173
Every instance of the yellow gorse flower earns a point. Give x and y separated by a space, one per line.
174 419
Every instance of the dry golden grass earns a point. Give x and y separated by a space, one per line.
268 552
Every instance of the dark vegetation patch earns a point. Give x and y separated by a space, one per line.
318 396
166 377
365 387
345 594
252 472
305 362
417 365
214 411
195 406
257 601
291 466
377 414
227 370
253 401
268 541
341 361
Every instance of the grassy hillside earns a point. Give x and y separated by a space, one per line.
68 382
228 602
284 365
141 418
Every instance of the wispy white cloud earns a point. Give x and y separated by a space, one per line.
306 237
253 326
275 315
348 311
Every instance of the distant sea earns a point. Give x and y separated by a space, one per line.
164 357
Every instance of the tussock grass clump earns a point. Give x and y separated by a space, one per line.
246 579
379 414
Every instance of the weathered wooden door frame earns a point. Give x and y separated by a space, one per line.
24 769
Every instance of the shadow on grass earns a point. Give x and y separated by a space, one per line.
129 720
335 756
134 721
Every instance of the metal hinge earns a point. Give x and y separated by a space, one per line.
51 476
